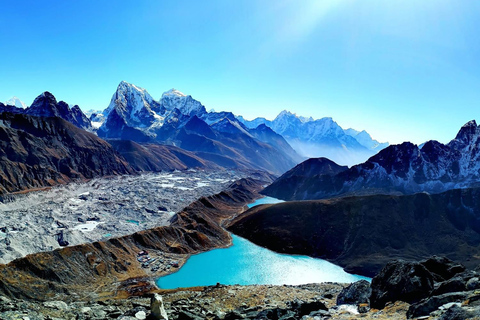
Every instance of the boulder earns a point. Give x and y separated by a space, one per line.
302 308
442 268
356 293
451 285
400 280
473 283
424 307
59 305
157 308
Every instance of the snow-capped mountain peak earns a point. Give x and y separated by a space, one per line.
14 101
134 104
173 92
185 103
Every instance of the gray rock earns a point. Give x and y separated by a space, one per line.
473 283
85 309
451 285
60 305
430 304
141 315
157 307
356 293
458 313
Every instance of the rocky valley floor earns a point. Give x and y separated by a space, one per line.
100 209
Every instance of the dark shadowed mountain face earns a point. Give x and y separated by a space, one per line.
297 182
156 157
45 105
363 233
37 152
179 120
403 168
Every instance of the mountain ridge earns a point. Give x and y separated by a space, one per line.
403 169
313 138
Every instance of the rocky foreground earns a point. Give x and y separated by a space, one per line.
436 288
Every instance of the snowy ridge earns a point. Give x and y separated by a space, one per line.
433 168
185 103
321 138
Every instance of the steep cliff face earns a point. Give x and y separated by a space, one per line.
363 233
110 266
37 152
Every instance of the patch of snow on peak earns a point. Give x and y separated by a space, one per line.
174 92
14 101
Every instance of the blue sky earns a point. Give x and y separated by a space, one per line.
402 70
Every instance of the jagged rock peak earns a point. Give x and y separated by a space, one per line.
45 96
467 131
132 100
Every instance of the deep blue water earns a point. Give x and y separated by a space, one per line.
246 263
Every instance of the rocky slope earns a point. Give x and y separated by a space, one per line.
436 288
37 152
361 234
398 169
111 266
157 157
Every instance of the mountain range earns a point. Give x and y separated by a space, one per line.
46 105
321 138
179 120
398 169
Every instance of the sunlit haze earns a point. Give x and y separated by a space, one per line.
401 70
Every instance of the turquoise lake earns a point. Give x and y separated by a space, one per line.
246 263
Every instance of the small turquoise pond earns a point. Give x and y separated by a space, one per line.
246 263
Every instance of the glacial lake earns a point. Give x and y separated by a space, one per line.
246 263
